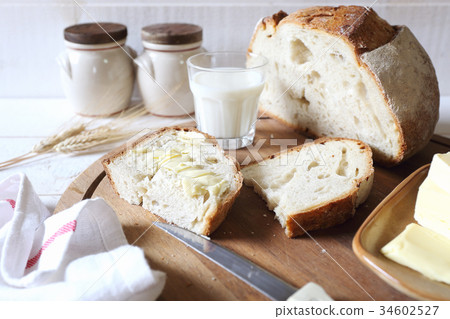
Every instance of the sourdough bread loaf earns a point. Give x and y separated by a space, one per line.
315 185
345 72
181 175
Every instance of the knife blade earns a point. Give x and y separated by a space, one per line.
255 276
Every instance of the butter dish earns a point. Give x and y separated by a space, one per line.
385 223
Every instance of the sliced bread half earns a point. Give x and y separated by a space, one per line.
315 185
179 174
345 72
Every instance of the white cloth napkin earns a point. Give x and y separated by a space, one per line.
78 254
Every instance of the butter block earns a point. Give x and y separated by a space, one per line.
433 207
423 250
440 171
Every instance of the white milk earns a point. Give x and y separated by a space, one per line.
226 102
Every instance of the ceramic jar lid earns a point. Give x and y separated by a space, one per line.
92 33
172 33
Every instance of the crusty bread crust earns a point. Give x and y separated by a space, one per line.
397 62
332 212
362 28
213 220
410 88
325 216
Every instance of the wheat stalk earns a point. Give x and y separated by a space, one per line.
86 144
77 137
88 139
47 144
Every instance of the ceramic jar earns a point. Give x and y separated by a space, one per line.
97 70
162 73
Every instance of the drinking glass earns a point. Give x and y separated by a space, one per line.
226 88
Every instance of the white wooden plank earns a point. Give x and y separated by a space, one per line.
219 2
13 147
32 117
32 37
34 32
44 117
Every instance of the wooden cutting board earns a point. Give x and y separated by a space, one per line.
251 231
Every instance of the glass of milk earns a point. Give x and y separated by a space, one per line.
226 88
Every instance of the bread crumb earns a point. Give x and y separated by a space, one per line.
213 278
265 215
173 255
252 232
323 251
271 135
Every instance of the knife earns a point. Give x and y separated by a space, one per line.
255 276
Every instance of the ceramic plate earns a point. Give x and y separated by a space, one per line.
388 220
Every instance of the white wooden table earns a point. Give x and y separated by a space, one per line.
24 122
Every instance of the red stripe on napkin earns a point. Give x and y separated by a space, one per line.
69 227
11 202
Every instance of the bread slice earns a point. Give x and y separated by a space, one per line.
345 72
179 174
315 185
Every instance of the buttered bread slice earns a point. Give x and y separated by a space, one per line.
315 185
181 175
